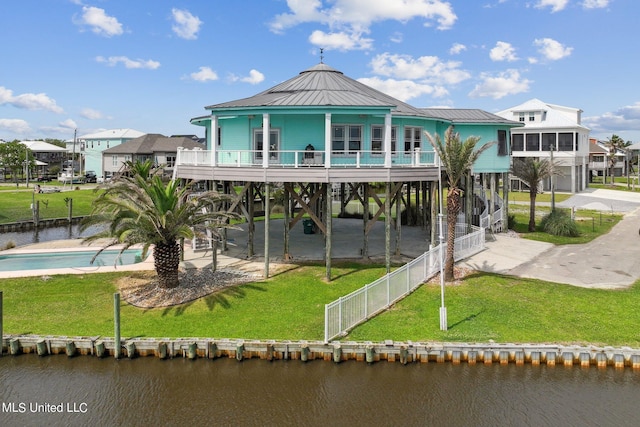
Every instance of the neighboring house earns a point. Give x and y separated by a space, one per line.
152 146
552 131
320 130
95 143
47 155
599 159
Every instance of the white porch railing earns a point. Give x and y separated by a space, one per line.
344 314
301 158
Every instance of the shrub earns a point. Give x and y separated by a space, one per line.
9 245
511 221
559 223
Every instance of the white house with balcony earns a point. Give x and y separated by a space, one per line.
553 132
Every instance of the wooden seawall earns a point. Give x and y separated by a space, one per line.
370 352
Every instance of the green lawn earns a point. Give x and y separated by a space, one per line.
291 306
591 224
16 203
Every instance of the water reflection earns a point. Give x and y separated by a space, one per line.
155 392
45 234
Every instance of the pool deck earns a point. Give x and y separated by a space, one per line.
192 260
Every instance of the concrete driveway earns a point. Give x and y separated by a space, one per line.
608 262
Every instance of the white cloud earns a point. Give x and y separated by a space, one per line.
342 41
68 124
595 4
253 78
186 25
429 69
205 74
100 23
112 61
503 51
626 118
403 90
349 19
457 48
29 101
91 114
364 12
15 126
505 83
552 50
397 37
556 5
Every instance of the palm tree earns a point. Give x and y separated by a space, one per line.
457 157
532 171
614 144
142 209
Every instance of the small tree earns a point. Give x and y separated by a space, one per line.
457 157
614 144
13 155
142 209
532 171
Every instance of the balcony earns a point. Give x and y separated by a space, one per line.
291 165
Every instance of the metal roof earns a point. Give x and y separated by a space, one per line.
153 143
468 115
322 86
113 134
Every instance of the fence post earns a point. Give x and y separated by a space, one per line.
116 323
326 323
70 210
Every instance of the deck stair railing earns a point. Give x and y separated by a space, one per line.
351 310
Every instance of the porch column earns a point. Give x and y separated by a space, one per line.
574 166
214 139
329 227
387 140
266 140
327 140
584 174
267 208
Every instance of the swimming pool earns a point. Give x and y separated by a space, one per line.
70 259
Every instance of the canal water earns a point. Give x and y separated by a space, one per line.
148 391
45 234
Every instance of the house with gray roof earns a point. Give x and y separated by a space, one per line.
321 131
554 132
152 146
93 144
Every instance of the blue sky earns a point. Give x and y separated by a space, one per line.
153 65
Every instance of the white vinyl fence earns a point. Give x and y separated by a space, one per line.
348 311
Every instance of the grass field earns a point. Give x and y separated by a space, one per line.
291 306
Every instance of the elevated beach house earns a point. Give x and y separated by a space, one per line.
554 132
322 136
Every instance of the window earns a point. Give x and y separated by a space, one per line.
598 159
532 117
548 141
171 160
355 139
274 143
127 157
339 142
565 141
521 117
114 160
533 142
377 138
517 142
502 143
412 138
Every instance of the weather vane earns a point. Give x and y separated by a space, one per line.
321 54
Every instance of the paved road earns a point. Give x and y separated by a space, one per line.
608 262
